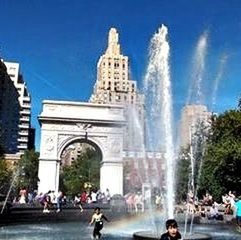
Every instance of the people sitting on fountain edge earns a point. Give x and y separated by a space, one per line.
214 213
172 231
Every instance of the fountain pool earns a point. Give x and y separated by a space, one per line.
121 229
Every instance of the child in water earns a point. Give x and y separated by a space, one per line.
172 231
97 218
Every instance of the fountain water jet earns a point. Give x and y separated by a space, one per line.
15 175
220 72
197 71
157 88
195 96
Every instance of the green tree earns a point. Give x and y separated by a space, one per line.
5 176
28 170
85 169
183 174
222 163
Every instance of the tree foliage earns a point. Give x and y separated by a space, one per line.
183 173
222 163
239 104
5 176
85 169
28 170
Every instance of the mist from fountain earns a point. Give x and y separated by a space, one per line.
221 67
136 141
136 136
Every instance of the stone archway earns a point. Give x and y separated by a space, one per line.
75 147
75 153
63 122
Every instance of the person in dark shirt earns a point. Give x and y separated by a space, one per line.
172 231
97 218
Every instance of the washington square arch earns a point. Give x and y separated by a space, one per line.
63 123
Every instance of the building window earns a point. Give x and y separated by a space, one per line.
116 65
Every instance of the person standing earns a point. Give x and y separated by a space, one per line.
59 201
238 211
23 194
158 201
93 197
97 219
77 202
107 195
139 202
83 197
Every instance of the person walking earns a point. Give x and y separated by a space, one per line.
97 219
59 201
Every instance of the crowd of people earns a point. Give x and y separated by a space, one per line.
208 208
135 202
51 199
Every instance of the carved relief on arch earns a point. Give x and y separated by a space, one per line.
115 146
101 142
48 143
62 139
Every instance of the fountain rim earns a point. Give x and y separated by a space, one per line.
151 235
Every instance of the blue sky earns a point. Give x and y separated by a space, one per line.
59 42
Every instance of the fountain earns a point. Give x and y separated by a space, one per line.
157 88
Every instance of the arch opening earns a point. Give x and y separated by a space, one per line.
80 163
